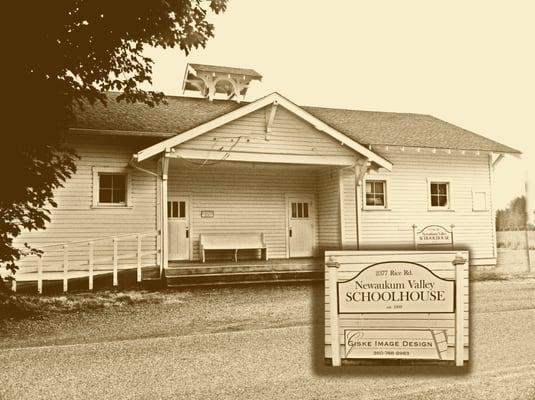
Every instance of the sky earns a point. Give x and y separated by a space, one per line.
470 63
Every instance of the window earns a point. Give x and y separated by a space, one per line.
439 194
299 210
111 187
176 209
376 193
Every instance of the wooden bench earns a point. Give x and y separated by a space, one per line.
233 241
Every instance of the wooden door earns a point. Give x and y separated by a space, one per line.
178 228
301 217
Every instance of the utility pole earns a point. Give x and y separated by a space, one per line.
526 231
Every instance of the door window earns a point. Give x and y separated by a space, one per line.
299 210
176 209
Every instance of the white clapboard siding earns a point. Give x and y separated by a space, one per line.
75 218
289 135
328 207
408 203
351 263
243 197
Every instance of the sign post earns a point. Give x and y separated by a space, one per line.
459 263
332 268
375 301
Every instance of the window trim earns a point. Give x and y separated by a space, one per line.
96 186
449 206
487 200
375 178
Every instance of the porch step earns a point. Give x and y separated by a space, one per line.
242 278
239 283
241 268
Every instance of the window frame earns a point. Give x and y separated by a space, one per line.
376 178
449 193
97 171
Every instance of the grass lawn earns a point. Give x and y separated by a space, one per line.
107 315
123 315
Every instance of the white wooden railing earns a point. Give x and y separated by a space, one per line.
88 264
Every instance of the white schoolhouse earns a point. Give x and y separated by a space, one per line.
258 190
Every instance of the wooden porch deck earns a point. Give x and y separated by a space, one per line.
196 273
183 274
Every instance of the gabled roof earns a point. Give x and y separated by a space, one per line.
365 127
273 98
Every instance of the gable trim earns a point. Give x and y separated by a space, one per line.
166 145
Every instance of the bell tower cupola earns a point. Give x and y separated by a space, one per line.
224 82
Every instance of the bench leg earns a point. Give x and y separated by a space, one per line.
236 255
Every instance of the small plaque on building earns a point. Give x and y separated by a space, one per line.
207 214
433 235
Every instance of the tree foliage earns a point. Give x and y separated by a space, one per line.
514 217
63 54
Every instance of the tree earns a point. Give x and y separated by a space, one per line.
65 54
514 217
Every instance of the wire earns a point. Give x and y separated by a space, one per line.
205 162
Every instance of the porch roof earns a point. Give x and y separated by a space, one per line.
181 114
275 100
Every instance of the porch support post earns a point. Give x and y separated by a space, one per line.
159 207
163 212
341 208
360 170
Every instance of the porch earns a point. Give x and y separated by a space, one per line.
298 210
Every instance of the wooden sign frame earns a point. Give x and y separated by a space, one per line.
342 267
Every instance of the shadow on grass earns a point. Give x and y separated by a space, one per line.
482 276
26 306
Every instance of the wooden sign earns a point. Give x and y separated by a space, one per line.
395 287
396 305
207 214
432 235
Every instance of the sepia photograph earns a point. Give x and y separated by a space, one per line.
231 199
